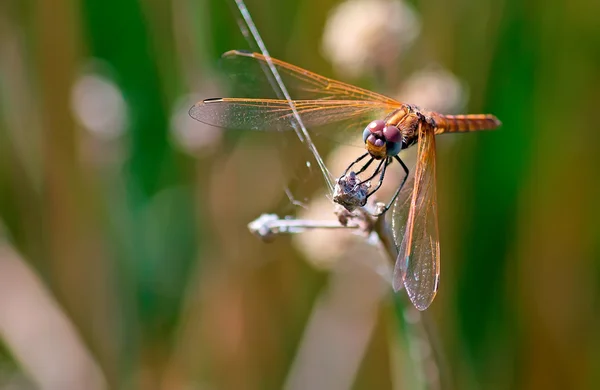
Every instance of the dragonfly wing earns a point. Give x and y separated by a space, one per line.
415 228
271 114
319 100
252 70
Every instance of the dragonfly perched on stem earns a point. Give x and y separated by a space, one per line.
389 127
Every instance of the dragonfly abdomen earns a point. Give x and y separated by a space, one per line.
464 123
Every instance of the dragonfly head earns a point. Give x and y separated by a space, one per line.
382 141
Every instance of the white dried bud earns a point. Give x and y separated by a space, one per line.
435 89
365 34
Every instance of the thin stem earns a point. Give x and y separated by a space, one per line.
248 28
267 226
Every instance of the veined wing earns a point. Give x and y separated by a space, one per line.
416 229
319 100
271 114
247 67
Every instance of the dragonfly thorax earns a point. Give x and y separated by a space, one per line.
407 119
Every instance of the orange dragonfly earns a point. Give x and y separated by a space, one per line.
389 127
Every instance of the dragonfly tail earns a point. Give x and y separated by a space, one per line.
464 123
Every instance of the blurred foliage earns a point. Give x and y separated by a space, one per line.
141 237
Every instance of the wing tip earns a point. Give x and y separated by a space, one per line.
422 307
232 53
423 304
210 100
191 111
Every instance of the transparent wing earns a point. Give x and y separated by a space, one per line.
248 70
415 227
319 100
271 114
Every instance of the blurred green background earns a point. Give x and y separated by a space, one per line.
125 261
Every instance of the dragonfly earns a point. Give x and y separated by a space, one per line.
388 127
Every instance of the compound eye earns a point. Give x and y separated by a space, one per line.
393 148
392 134
376 126
366 134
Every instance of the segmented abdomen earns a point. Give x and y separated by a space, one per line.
464 123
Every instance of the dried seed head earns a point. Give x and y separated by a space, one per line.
350 192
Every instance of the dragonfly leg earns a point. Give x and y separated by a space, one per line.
375 173
380 177
400 186
356 161
365 166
